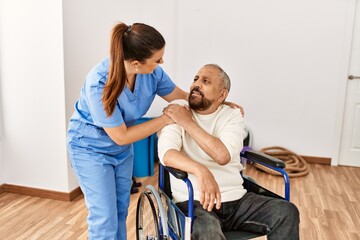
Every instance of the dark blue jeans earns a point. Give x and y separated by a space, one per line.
276 218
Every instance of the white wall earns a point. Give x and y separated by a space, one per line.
2 171
284 58
2 166
32 89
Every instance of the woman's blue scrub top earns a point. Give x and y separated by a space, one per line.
86 131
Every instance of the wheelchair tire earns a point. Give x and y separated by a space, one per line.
147 225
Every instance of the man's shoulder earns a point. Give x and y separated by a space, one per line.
230 111
181 102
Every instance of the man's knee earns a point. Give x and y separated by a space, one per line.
291 209
289 212
293 212
206 225
208 230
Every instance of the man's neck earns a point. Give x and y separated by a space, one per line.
208 111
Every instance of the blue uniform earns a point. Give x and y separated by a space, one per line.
103 168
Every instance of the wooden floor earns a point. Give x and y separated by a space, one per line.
328 199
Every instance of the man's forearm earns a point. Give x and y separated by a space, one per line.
213 146
179 160
208 188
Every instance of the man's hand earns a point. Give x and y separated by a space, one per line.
179 114
208 189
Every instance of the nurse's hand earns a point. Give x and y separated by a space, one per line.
167 119
179 114
234 105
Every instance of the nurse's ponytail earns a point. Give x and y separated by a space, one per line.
117 74
136 42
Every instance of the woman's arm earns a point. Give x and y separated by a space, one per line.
177 93
123 135
235 105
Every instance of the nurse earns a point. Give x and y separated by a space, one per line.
117 92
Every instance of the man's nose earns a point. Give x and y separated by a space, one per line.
197 84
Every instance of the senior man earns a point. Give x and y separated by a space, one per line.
206 142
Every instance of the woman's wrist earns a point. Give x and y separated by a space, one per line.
166 119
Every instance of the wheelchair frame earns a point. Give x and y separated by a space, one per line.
157 217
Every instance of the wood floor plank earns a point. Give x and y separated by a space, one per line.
328 199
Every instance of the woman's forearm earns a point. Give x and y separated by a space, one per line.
124 135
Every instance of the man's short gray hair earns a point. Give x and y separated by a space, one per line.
223 75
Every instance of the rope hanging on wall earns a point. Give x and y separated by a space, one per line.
295 165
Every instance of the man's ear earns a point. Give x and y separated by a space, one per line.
223 96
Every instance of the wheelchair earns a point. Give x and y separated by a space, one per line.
158 218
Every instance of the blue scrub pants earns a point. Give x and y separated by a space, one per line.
106 182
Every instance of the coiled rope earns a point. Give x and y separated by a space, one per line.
295 165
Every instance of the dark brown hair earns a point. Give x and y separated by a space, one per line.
136 42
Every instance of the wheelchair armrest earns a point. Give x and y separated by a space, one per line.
176 172
260 158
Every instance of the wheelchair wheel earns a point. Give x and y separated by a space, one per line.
147 226
151 221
